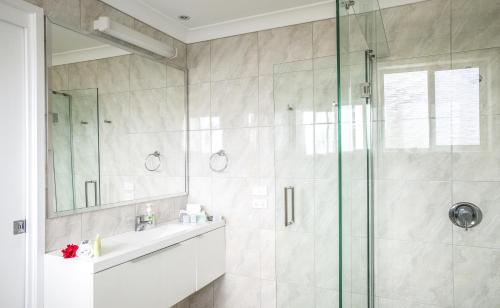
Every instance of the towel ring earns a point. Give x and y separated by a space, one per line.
213 157
153 161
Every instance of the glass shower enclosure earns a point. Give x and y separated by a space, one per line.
387 161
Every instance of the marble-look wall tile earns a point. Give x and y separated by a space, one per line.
266 101
234 103
241 147
146 73
181 59
418 29
82 75
325 90
475 24
234 57
174 111
300 268
268 294
487 196
415 271
293 97
326 207
114 113
199 106
294 295
198 62
268 254
243 252
175 77
325 151
324 38
294 144
62 231
59 77
393 303
200 191
416 165
396 205
325 298
476 277
326 256
229 192
147 107
285 44
237 291
108 222
63 12
113 74
199 153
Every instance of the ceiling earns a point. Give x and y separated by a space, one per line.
64 40
212 19
204 13
68 46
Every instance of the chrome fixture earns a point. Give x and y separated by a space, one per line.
290 189
94 183
465 215
153 161
347 4
143 221
218 155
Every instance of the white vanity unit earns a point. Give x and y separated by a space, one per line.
155 268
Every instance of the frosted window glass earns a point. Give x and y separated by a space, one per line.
457 107
406 110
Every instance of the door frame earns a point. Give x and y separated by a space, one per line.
35 145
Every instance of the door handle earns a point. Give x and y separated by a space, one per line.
87 192
290 189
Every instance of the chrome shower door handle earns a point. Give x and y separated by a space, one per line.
87 192
290 189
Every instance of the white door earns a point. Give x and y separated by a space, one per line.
18 148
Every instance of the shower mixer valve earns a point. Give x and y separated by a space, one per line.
465 215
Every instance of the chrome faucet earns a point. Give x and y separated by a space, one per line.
143 221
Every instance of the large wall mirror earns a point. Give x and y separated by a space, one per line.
116 125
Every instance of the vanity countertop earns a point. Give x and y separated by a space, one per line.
127 246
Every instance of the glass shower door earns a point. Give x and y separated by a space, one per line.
294 163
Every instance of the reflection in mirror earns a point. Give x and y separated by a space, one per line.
116 125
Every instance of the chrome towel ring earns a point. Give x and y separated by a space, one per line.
219 161
153 161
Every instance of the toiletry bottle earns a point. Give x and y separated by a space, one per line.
150 214
97 246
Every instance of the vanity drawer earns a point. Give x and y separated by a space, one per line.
211 257
157 280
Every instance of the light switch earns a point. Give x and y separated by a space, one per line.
260 190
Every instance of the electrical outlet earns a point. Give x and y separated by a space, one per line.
259 204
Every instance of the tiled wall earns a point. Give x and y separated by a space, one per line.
78 15
232 107
75 228
427 162
141 110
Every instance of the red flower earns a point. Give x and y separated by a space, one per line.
69 251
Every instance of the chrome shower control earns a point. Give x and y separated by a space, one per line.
465 215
